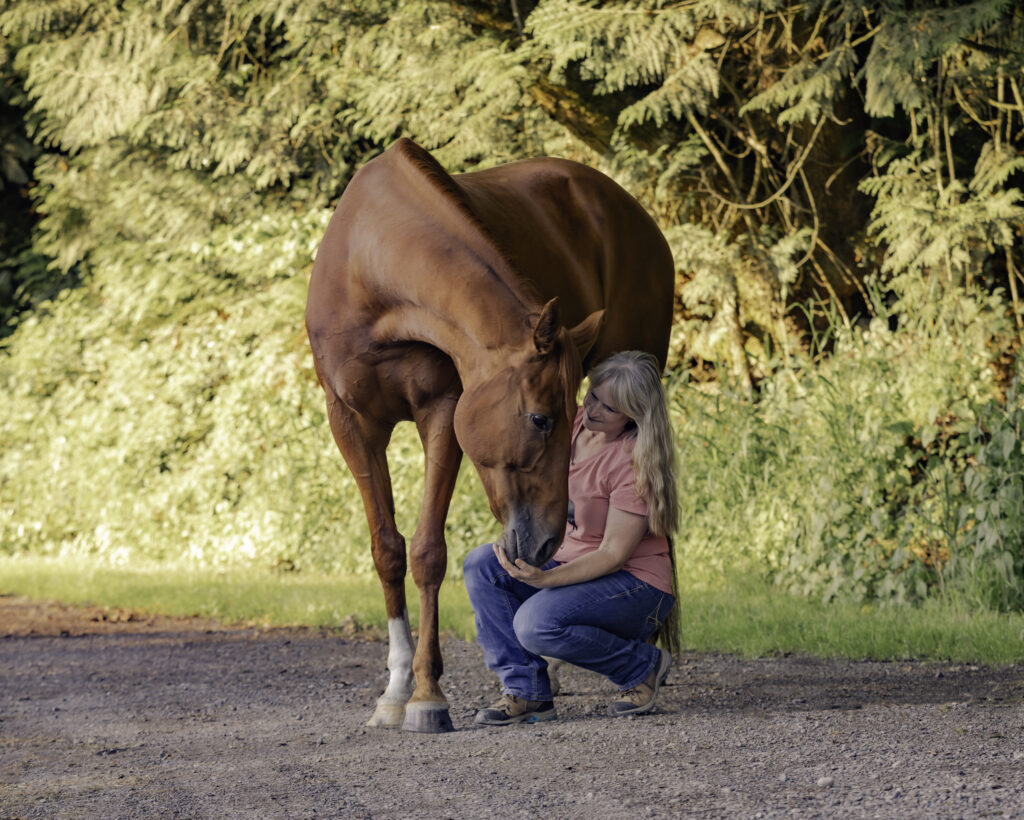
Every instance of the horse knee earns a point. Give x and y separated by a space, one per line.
429 560
389 557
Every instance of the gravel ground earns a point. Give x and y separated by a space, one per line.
116 716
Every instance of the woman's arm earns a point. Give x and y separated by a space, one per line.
623 531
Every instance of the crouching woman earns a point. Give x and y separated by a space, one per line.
611 584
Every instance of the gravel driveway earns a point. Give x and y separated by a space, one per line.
120 717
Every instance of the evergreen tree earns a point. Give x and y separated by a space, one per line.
22 273
174 164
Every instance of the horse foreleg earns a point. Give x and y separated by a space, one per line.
427 710
391 706
363 445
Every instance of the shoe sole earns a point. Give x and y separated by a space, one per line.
664 665
530 717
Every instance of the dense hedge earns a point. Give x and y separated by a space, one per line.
840 182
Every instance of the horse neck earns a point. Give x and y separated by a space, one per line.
472 309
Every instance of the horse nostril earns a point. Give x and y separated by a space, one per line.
511 544
548 550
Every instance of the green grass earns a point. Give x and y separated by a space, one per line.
250 597
738 615
748 617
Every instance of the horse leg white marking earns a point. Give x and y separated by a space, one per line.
390 709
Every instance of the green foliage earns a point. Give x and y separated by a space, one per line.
22 274
929 226
986 521
847 480
174 164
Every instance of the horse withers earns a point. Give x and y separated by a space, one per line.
472 304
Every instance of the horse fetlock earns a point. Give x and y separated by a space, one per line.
427 717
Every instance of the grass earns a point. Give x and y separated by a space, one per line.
238 596
748 617
739 615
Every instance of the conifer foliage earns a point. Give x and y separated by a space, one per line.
168 167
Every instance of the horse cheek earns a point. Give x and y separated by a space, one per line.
487 479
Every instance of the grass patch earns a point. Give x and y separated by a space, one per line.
237 596
748 617
740 615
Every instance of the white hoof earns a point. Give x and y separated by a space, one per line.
387 714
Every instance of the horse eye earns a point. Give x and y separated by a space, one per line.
540 422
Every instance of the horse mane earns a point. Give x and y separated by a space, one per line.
432 172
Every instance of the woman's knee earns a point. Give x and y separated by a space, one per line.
535 627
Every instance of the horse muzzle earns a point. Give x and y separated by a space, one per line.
534 547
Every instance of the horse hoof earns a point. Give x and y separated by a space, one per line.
387 714
427 717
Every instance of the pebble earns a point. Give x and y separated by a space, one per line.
826 781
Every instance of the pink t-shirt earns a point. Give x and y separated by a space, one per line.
607 479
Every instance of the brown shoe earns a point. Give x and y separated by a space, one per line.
513 709
640 699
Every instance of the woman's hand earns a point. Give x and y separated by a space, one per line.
520 570
623 531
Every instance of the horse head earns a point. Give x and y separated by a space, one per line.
516 428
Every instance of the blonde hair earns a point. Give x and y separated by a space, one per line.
632 383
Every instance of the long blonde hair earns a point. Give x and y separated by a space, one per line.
632 381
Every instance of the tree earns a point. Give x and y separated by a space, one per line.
183 159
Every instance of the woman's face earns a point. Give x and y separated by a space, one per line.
601 417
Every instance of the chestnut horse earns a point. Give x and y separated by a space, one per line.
472 305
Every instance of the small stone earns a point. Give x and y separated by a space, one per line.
826 781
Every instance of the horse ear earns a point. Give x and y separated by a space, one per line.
545 332
584 335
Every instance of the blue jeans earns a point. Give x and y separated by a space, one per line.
602 625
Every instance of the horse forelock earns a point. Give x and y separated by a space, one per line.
570 371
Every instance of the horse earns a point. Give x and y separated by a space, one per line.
472 305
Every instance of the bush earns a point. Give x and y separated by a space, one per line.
987 563
847 479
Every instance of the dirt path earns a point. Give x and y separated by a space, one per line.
118 717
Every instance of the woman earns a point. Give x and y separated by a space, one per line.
611 584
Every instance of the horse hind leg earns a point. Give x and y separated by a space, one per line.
363 445
427 710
